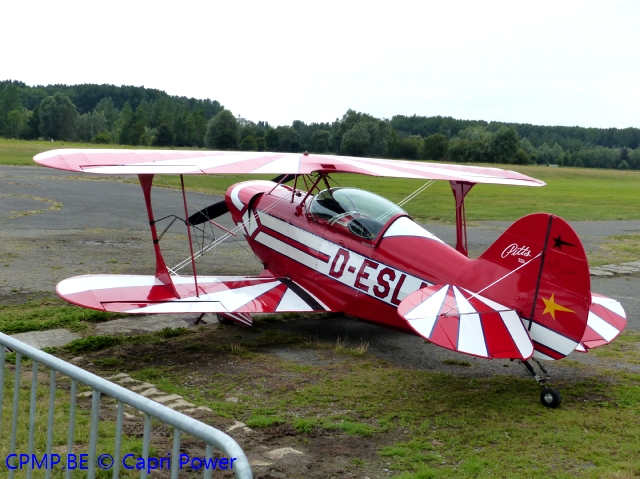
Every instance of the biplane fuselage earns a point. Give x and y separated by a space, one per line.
366 277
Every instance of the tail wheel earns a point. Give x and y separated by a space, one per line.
550 397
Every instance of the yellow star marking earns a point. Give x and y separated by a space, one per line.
550 306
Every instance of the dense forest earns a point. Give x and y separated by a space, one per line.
141 116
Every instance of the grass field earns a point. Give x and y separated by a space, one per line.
417 424
572 193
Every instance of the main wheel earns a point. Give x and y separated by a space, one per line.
550 397
223 320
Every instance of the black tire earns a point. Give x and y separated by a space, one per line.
550 397
223 320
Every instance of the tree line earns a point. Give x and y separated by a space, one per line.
139 116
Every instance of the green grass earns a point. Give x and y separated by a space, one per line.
97 343
572 193
616 249
423 424
48 314
106 428
21 152
461 427
261 421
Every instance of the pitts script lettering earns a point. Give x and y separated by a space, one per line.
514 250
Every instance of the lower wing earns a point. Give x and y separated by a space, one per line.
139 294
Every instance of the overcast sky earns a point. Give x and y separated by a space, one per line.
550 63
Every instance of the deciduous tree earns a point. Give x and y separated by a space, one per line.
222 132
248 144
57 117
272 139
434 147
503 145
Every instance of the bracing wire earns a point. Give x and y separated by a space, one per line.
224 237
408 198
475 295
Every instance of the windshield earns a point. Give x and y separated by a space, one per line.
362 212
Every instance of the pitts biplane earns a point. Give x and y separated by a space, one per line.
324 248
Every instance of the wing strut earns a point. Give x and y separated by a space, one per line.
162 273
186 215
460 190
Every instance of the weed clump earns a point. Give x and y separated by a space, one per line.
93 343
264 421
456 362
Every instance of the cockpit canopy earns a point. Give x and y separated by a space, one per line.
361 212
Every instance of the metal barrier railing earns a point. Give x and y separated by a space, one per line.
180 422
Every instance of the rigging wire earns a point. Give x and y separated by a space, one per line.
407 199
224 237
212 245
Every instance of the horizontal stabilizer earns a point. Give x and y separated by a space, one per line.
459 320
216 294
606 321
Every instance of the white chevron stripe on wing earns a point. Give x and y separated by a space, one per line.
292 302
230 299
289 163
470 335
379 170
425 170
176 166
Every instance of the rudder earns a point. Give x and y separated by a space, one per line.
539 268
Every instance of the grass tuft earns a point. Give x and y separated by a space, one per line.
264 421
456 362
342 346
304 425
93 343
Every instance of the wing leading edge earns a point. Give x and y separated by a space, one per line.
130 162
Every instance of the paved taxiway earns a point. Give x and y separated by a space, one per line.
54 225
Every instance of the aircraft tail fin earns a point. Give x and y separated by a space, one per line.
538 267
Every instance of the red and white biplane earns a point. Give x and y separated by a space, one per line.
324 248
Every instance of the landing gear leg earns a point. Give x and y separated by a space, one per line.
549 397
195 322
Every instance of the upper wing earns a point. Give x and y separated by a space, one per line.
216 294
119 162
